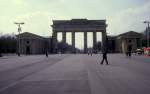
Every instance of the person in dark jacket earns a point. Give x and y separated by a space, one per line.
104 58
129 50
46 54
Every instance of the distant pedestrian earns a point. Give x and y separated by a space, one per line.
126 53
129 50
104 58
91 52
0 55
18 54
88 52
46 54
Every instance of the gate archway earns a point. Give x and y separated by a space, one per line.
79 25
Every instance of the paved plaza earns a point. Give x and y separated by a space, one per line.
74 74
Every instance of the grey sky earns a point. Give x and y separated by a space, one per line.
121 15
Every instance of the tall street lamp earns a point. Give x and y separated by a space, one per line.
147 32
19 30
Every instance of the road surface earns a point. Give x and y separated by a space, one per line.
74 74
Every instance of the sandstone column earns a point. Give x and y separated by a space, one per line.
94 40
54 37
104 40
85 42
64 37
73 41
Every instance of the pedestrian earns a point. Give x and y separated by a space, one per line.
126 53
46 54
90 51
18 54
129 50
0 55
104 58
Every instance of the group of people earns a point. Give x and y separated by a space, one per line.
90 53
128 54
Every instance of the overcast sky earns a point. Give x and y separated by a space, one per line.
121 15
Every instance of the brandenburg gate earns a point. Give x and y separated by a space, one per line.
79 25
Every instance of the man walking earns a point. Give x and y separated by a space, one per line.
46 54
129 51
104 58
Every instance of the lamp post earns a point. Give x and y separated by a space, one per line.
147 32
19 30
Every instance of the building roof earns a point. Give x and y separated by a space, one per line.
130 34
30 35
111 37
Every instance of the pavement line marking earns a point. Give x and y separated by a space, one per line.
10 85
16 82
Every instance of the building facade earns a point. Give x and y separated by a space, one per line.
33 44
111 44
131 38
